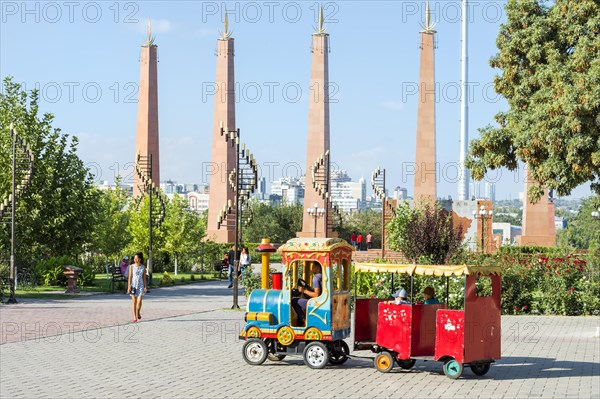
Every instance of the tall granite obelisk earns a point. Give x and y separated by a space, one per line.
146 141
425 166
223 154
318 132
538 219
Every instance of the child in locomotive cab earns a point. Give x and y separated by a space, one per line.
299 304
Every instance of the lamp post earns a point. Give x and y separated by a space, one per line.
316 213
483 215
21 173
242 180
378 183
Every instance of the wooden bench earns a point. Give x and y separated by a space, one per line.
117 277
222 269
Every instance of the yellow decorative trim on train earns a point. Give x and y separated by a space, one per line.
260 316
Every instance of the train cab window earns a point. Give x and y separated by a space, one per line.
335 275
345 272
483 286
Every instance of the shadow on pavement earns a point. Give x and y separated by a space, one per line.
510 368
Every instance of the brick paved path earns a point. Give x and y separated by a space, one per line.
187 346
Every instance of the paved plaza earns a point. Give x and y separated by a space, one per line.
187 346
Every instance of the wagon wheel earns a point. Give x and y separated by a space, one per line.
384 361
316 355
453 369
339 355
285 335
480 368
255 351
406 364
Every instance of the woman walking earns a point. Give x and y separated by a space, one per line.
245 260
137 285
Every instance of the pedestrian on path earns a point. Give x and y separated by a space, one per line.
353 239
245 260
137 285
369 240
359 241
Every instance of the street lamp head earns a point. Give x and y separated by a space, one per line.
315 205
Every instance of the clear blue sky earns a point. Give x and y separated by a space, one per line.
85 58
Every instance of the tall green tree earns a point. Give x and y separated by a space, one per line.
111 234
140 231
583 231
184 231
549 57
57 212
278 223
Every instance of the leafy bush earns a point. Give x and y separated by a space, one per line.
536 283
166 279
87 277
425 233
50 272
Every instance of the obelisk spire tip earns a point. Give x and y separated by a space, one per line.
321 29
428 27
150 41
226 35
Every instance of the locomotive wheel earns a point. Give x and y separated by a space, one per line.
384 362
316 355
285 335
453 369
255 351
340 354
480 368
407 364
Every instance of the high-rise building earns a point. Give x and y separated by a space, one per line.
289 189
400 193
490 191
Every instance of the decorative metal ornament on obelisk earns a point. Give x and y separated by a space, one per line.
156 214
242 180
318 136
22 170
223 155
425 165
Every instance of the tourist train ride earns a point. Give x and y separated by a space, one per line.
396 333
